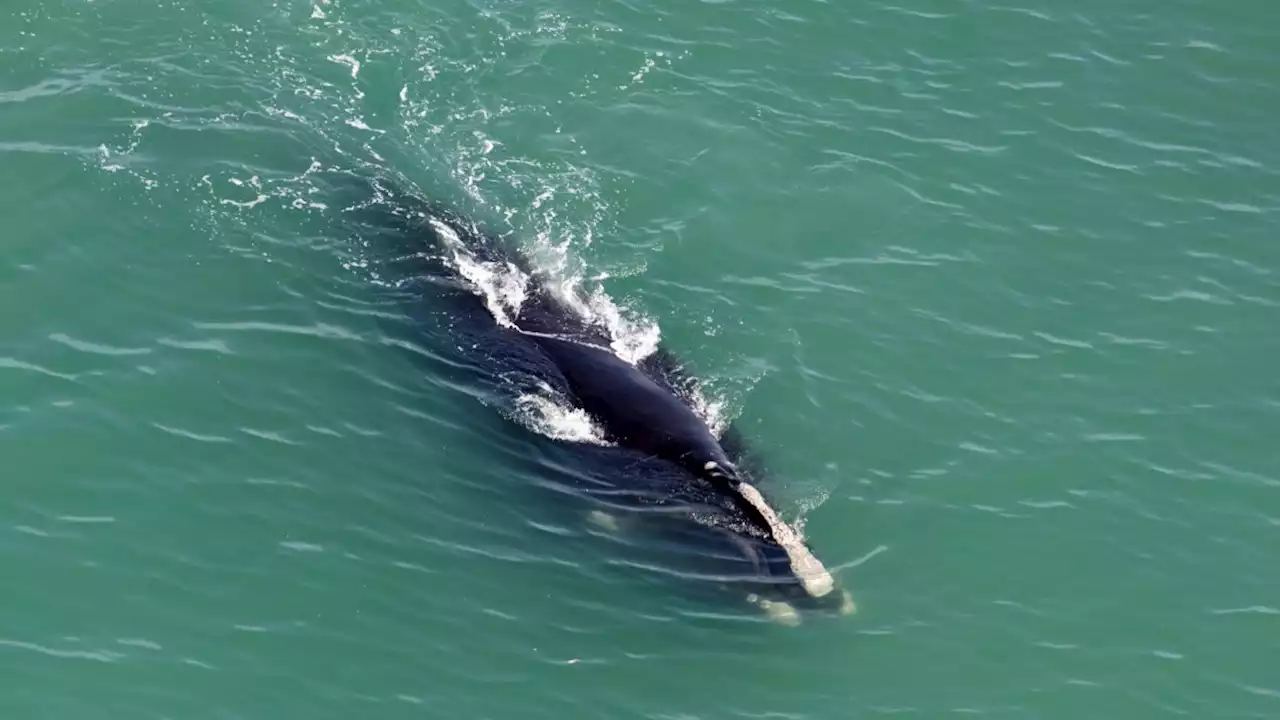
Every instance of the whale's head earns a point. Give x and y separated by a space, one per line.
792 572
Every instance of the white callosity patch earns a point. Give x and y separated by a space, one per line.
815 578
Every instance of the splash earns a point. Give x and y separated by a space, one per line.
504 287
501 285
633 336
550 414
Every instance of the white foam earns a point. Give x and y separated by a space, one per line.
549 414
502 285
349 61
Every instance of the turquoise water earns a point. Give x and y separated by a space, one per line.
992 288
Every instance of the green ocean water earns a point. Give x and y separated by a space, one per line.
995 290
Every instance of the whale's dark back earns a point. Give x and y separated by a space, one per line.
637 411
644 405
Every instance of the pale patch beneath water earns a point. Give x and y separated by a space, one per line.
604 521
779 611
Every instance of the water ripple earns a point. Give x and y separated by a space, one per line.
318 330
100 655
215 345
1026 324
15 364
96 348
188 434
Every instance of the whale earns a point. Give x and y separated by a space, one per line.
643 407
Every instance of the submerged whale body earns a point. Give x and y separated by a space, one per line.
639 406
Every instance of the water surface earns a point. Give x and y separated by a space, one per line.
993 289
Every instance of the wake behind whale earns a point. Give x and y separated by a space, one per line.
538 344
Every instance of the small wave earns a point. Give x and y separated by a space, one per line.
15 364
190 435
210 345
320 330
95 348
97 655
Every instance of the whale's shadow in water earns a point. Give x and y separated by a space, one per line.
658 517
